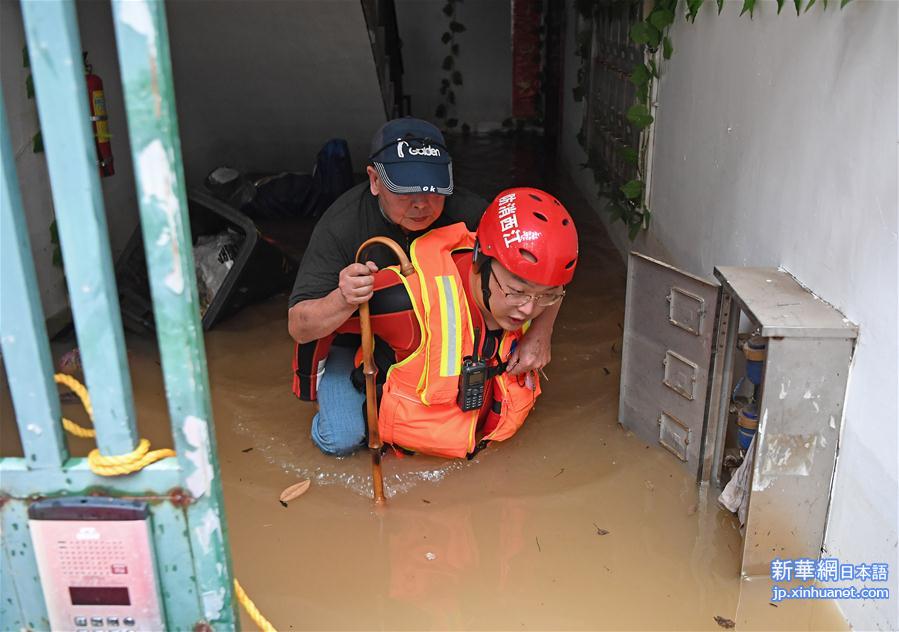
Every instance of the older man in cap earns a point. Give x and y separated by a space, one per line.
409 191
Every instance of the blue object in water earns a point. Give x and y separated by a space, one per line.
744 436
754 371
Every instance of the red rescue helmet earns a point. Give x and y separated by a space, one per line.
531 235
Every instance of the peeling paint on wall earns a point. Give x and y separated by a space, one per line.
213 602
205 530
137 16
158 181
196 431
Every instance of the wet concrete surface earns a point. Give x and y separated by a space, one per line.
573 523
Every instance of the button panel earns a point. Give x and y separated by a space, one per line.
96 624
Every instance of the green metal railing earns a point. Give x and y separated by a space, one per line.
184 493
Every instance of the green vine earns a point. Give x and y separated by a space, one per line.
627 201
446 110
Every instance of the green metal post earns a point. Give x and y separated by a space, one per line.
26 350
143 48
51 29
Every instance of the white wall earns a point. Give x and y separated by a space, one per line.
118 191
262 85
485 58
776 146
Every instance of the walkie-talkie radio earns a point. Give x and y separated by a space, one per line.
472 379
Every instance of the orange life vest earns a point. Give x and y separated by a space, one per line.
418 408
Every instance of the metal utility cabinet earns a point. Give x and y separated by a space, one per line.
680 335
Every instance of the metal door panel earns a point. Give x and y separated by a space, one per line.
668 331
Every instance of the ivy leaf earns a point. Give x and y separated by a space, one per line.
25 61
440 112
809 5
693 7
720 6
843 3
780 5
447 9
454 49
446 37
448 62
632 189
639 115
749 5
629 154
29 87
444 82
452 122
797 4
456 27
457 78
37 143
667 47
647 218
641 75
578 93
633 231
642 94
615 211
653 69
645 33
443 90
660 18
451 97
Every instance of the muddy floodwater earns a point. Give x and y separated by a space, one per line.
573 523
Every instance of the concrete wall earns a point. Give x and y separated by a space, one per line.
262 85
776 146
485 58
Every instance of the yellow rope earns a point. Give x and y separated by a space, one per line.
251 609
101 465
133 462
78 388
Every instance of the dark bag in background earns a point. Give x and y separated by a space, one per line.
333 172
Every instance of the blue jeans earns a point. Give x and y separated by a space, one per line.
338 428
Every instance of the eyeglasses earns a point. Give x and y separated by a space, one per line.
519 299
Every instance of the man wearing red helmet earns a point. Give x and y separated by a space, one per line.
452 327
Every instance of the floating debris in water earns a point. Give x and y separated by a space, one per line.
283 504
692 509
649 485
537 540
426 501
245 450
430 556
295 491
559 472
727 624
599 530
606 371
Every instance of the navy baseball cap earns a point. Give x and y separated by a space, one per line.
410 156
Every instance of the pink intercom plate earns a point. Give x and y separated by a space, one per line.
98 574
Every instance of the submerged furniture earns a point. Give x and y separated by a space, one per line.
680 336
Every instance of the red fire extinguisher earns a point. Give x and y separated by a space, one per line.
97 102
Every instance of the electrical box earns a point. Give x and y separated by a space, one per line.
677 381
96 564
